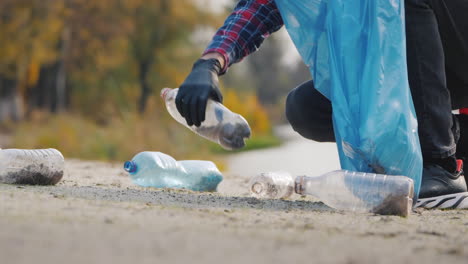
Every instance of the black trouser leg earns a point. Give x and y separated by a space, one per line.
310 113
453 27
431 34
427 79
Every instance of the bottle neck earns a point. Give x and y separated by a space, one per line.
303 184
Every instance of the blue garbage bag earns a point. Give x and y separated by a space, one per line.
356 52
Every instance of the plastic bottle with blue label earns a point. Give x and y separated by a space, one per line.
156 169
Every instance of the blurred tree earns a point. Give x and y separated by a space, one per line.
269 75
88 56
28 36
159 26
93 48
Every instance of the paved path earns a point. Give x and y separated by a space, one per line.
297 155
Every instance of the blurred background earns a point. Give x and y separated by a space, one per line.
84 76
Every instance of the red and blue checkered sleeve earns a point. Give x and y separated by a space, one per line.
245 29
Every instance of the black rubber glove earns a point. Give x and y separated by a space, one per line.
200 85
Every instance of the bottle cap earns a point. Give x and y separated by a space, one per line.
130 167
164 91
257 188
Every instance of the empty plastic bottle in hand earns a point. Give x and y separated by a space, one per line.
221 126
272 185
156 169
31 166
357 191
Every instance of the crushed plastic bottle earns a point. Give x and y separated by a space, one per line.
221 126
271 185
156 169
31 166
353 191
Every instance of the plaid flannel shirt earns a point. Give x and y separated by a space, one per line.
245 29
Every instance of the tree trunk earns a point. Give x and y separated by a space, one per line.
62 74
144 68
44 94
11 107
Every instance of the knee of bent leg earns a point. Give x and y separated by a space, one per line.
418 3
309 132
308 124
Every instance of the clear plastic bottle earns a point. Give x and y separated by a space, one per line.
272 185
360 192
156 169
354 191
31 166
221 126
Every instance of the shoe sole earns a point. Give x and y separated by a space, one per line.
449 201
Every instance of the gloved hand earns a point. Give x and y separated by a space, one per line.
200 85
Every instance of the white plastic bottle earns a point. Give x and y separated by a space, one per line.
31 166
156 169
221 126
353 191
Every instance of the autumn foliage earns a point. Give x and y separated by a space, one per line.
84 76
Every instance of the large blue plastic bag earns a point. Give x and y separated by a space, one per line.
356 51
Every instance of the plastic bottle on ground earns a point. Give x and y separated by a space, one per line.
221 126
354 191
156 169
272 185
31 166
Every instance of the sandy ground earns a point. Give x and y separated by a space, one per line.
96 215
